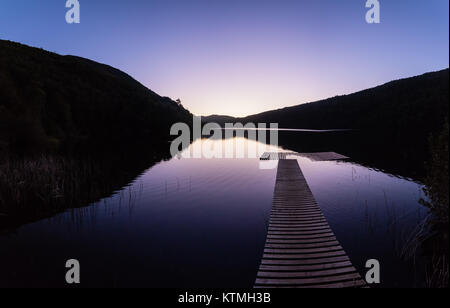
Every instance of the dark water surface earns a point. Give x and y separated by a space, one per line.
202 223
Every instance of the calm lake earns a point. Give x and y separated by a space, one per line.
202 223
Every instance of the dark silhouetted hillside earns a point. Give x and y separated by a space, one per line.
219 119
419 103
52 102
72 131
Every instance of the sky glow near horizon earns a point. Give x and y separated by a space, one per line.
242 57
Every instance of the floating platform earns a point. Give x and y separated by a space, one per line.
301 250
318 156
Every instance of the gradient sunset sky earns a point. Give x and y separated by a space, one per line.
242 57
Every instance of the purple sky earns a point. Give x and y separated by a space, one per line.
242 57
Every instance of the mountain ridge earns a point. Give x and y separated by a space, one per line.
50 102
394 92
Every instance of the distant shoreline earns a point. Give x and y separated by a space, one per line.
293 129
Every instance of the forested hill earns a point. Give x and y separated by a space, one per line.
418 103
53 102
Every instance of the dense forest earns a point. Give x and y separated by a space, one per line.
59 103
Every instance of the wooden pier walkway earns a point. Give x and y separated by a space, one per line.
301 250
318 156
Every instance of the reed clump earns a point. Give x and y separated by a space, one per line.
33 187
436 190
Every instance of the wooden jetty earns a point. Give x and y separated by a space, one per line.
301 250
317 156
